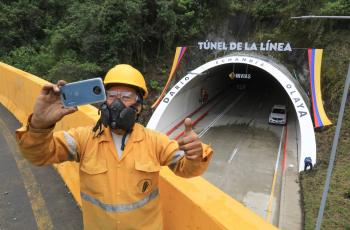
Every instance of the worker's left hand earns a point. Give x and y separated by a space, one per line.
190 142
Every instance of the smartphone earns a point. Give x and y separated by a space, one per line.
83 92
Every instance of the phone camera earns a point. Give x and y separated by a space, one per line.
97 90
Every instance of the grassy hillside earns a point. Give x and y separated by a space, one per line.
336 215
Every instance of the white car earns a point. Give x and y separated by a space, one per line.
278 115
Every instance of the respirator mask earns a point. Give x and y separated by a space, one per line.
118 116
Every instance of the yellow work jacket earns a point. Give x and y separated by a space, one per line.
116 193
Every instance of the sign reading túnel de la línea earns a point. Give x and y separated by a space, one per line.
246 46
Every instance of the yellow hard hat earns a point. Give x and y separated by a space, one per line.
128 75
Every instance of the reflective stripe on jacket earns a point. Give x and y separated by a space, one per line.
116 193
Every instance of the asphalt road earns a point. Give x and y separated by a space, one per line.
31 197
246 149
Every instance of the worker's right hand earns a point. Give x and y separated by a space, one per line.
48 108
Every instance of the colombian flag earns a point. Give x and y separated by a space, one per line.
177 58
319 115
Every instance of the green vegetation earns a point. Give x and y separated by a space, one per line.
89 37
76 40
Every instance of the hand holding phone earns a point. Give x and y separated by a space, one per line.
48 108
83 92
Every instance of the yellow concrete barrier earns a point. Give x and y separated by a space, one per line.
187 203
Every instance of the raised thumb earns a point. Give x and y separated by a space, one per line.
188 125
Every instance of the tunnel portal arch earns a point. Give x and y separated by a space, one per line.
306 135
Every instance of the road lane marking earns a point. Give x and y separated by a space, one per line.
269 207
220 115
232 155
285 150
41 214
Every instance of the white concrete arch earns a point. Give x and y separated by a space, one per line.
170 105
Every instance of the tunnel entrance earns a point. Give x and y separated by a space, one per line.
258 81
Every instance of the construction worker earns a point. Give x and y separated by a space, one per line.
204 96
307 163
119 160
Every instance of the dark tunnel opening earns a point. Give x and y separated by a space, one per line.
251 79
254 77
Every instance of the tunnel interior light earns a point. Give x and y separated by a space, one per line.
232 75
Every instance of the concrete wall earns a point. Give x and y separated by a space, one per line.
187 203
187 100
